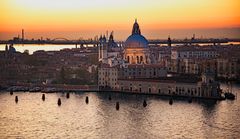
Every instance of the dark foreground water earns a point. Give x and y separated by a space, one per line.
33 118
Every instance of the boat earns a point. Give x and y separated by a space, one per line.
49 90
35 89
18 88
229 95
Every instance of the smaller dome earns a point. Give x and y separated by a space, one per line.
136 41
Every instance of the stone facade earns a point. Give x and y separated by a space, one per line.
172 87
109 76
193 52
141 69
228 68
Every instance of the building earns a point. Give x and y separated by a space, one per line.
108 76
228 68
139 68
193 52
107 49
136 50
190 86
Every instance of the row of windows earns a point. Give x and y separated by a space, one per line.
199 52
177 90
102 83
140 69
196 55
169 91
139 59
139 73
113 79
107 73
189 90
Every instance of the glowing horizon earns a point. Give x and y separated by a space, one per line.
100 15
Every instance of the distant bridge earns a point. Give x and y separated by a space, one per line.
96 43
60 39
195 41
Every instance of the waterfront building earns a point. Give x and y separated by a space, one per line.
108 75
191 86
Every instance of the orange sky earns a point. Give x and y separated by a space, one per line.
101 15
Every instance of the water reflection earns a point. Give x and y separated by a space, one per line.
32 117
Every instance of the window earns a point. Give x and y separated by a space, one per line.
141 58
149 90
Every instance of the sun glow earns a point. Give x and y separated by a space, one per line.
99 15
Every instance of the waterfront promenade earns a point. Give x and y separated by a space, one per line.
58 88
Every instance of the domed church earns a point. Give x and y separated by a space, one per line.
136 49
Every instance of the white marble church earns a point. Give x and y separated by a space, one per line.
135 68
135 51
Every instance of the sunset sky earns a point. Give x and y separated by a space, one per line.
86 18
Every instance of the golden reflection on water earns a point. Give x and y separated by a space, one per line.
33 118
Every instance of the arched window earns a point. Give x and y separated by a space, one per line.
128 58
141 59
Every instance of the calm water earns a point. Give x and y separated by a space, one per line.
34 47
33 118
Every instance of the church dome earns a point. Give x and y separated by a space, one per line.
136 40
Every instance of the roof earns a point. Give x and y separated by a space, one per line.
136 40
